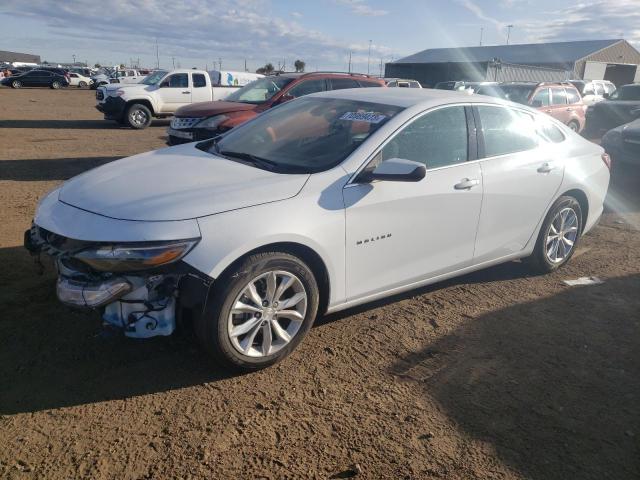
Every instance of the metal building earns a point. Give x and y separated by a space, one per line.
614 60
10 57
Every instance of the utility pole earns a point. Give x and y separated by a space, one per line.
74 59
369 58
509 27
481 34
220 62
381 68
245 65
349 62
157 55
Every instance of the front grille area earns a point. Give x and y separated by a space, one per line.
180 123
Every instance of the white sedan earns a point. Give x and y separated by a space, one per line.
78 80
326 202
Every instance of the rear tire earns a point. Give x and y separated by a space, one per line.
82 84
138 116
55 85
16 84
575 126
559 236
244 302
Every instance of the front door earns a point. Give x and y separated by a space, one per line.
521 174
174 92
399 233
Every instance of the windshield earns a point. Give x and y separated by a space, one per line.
259 91
303 136
628 92
513 93
154 78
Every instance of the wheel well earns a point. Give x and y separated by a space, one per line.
308 255
146 103
580 196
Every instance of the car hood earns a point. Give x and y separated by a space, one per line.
176 183
208 109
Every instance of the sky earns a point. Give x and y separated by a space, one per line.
322 33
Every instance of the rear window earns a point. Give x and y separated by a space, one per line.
558 96
548 131
506 130
342 83
573 96
199 80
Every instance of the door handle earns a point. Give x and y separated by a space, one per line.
569 109
186 92
545 168
466 184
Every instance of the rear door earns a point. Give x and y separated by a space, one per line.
174 92
200 91
521 174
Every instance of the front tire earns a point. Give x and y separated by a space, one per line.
16 84
558 237
55 85
138 116
260 312
575 126
82 84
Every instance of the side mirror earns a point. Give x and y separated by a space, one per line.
536 104
396 170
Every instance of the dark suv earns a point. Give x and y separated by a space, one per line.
560 100
200 121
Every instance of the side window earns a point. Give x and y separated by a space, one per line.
589 89
558 96
437 139
199 80
609 88
415 85
342 83
572 95
599 89
178 80
307 87
369 84
548 131
131 73
73 75
541 98
506 131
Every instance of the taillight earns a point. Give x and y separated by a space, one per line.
607 160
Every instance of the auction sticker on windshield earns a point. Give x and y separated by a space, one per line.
368 117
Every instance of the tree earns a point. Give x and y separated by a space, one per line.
299 65
122 65
268 69
97 65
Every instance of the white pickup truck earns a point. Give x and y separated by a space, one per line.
162 92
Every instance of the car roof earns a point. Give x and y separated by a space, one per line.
361 76
405 97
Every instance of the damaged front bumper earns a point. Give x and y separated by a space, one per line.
143 304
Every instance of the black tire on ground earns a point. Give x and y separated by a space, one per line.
212 327
575 126
138 116
539 261
55 85
82 84
16 84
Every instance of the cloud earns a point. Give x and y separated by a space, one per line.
296 14
193 29
587 21
360 7
479 12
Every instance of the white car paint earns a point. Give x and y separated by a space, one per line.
417 233
166 100
76 78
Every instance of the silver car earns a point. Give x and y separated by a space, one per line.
326 202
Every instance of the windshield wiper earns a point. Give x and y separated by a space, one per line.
253 159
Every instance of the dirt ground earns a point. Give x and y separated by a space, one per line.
495 375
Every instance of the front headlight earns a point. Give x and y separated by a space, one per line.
211 123
133 257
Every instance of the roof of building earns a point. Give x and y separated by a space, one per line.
530 53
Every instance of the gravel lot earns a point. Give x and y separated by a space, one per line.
498 374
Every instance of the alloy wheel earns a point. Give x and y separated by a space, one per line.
138 117
267 313
561 235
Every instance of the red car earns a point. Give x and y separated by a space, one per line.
560 100
204 120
